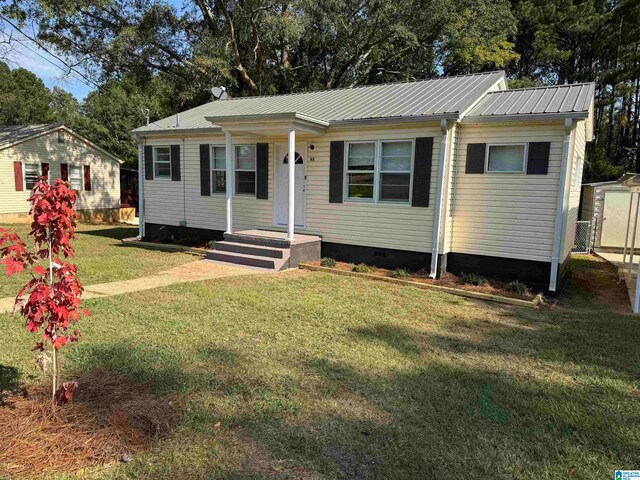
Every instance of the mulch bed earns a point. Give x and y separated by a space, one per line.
491 287
109 416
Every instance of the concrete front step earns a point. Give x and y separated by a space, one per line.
248 259
257 240
251 249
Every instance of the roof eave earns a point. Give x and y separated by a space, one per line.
137 133
400 119
524 117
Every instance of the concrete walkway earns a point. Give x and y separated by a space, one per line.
189 272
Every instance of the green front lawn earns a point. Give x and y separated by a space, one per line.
102 257
318 376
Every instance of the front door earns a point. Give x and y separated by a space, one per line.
281 194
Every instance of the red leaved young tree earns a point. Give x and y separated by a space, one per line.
50 301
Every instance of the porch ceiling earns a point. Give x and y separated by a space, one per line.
269 124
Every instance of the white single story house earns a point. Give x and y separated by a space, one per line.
607 205
55 151
452 174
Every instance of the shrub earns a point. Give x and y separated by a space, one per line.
211 244
401 273
362 268
474 279
328 262
518 287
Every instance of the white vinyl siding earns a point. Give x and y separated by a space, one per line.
105 171
576 165
509 216
385 225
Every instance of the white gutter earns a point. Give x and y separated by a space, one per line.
561 207
439 199
141 188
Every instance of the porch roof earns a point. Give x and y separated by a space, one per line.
446 97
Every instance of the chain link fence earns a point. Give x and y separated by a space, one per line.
584 237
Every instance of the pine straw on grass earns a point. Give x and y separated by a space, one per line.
109 416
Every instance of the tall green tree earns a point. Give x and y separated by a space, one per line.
24 98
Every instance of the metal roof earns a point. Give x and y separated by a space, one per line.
553 100
16 133
445 97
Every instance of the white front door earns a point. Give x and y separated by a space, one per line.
281 194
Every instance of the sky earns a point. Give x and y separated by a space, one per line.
21 52
26 54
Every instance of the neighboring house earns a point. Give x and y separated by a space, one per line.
449 174
55 151
606 205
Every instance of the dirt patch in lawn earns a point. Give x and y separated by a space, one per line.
490 287
109 417
600 279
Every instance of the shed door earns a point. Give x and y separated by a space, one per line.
614 220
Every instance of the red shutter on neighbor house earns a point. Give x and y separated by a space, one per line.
64 172
17 175
87 178
45 171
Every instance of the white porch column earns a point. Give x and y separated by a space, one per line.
230 184
292 184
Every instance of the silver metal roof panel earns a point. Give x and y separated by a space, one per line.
432 97
552 100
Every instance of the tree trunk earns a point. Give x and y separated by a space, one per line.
54 352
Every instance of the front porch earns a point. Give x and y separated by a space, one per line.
268 249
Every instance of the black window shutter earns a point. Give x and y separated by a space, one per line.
538 161
205 170
175 163
148 162
262 171
336 172
475 157
422 164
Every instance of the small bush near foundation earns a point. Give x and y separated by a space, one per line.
518 287
328 262
473 279
211 244
362 268
401 273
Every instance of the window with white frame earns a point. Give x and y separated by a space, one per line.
75 177
379 171
245 169
361 160
218 169
31 174
395 171
162 162
506 158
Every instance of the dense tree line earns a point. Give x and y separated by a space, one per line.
151 54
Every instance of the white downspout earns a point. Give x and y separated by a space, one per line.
230 183
560 209
140 188
439 198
